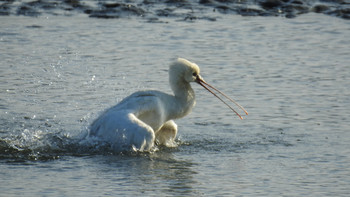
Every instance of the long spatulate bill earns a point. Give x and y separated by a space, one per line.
207 86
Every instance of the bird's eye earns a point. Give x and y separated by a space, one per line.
194 74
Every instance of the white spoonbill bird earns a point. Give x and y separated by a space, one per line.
146 118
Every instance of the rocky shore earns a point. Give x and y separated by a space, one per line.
153 10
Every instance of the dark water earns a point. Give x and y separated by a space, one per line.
58 73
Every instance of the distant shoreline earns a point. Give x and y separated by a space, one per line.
185 10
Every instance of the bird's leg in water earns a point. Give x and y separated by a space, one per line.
166 134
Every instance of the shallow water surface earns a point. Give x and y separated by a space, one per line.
292 75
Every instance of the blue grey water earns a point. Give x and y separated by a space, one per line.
58 73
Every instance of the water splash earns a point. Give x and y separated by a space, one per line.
38 145
34 145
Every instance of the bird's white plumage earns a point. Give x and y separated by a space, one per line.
146 117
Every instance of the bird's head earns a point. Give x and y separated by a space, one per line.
183 72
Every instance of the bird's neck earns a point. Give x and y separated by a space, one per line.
184 99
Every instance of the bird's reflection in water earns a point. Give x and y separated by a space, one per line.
155 172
